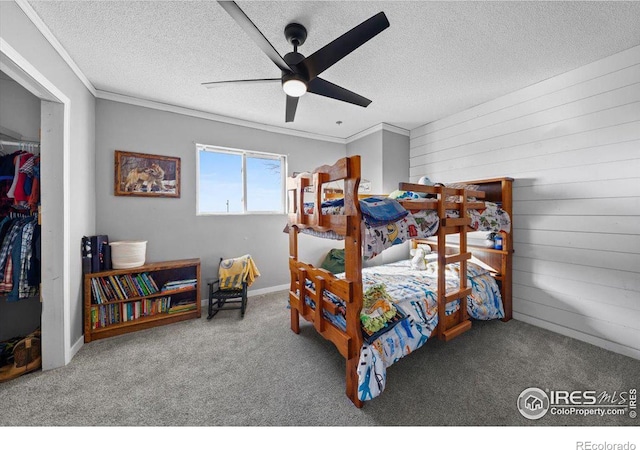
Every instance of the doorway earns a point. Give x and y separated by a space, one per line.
54 205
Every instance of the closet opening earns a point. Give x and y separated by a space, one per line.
20 231
49 307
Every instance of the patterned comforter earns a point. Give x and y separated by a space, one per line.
414 294
378 236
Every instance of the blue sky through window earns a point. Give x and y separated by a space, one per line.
221 183
264 184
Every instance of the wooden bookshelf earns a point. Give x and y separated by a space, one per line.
125 300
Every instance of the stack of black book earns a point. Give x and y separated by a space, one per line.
96 253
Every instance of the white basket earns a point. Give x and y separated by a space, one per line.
128 254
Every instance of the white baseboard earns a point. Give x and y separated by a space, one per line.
594 340
269 290
75 348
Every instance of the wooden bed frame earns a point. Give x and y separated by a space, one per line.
349 288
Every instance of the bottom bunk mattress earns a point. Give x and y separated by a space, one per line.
413 294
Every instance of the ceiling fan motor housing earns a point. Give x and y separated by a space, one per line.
296 34
293 59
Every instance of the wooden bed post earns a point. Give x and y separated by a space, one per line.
297 202
293 254
507 239
442 263
462 232
353 273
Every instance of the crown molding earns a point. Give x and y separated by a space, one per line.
374 129
57 46
210 116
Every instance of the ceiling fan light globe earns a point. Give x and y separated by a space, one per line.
294 87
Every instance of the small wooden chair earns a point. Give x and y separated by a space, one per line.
223 299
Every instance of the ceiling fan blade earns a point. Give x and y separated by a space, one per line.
292 104
325 88
248 26
333 52
214 84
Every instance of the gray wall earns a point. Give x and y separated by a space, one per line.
19 112
170 225
369 148
26 39
19 109
395 160
385 162
571 143
385 159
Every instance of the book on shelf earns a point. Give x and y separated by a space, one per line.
182 307
135 281
116 288
95 292
105 315
179 310
141 285
179 289
153 284
133 287
105 290
145 284
124 286
101 291
148 283
94 318
179 284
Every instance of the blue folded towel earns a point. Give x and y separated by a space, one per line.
378 211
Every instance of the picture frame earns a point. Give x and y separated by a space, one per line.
146 175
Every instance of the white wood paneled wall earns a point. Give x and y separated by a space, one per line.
572 144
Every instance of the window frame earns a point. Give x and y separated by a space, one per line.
244 154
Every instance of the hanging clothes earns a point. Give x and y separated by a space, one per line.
19 229
21 186
19 256
7 176
30 185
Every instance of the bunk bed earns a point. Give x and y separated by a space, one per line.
413 304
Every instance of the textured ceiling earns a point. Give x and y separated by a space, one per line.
435 59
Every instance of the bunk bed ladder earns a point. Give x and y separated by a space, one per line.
450 226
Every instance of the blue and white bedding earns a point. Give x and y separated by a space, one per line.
386 223
414 294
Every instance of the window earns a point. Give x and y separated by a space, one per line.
239 182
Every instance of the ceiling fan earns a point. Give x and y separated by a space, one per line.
300 74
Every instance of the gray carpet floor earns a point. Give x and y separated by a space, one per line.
256 372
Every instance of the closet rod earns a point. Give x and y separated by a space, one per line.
20 143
